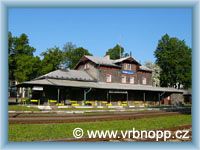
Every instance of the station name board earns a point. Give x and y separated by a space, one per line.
128 72
37 88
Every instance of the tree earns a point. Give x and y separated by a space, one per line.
68 48
174 58
75 55
19 45
115 52
155 72
27 67
53 58
10 43
20 52
72 54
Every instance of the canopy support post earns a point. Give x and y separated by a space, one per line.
58 98
159 98
127 98
144 97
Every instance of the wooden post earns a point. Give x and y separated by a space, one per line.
107 95
17 99
127 98
58 95
144 97
159 98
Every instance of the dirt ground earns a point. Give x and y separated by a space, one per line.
69 118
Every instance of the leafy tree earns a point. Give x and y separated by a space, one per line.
53 58
68 48
23 65
10 43
155 72
174 58
19 50
75 55
19 45
27 67
72 54
116 51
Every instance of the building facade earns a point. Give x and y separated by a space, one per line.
100 81
125 70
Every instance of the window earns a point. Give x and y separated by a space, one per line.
108 78
144 80
123 79
127 67
86 66
132 80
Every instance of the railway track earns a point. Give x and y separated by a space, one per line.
63 114
41 118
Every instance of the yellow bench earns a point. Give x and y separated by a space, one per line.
24 100
89 102
124 104
35 101
60 104
52 101
74 103
109 104
119 103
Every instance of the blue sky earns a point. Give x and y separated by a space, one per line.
98 29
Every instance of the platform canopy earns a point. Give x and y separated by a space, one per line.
96 85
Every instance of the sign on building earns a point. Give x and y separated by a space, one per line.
128 72
37 88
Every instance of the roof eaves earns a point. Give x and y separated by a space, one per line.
79 61
125 58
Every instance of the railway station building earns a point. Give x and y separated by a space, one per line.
100 81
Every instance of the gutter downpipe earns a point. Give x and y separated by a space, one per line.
86 92
160 95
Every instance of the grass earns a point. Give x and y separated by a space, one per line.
21 108
38 132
